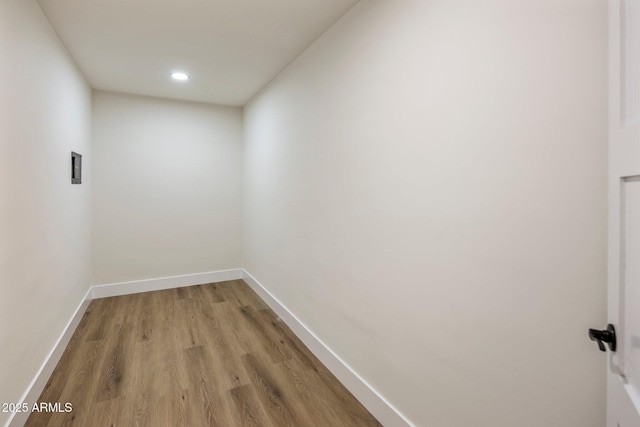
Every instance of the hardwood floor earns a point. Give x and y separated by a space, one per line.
207 355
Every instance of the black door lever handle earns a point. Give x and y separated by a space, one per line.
606 336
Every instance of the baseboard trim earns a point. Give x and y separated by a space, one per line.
33 392
138 286
384 411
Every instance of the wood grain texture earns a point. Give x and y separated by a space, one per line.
206 355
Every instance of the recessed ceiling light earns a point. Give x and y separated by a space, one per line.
180 76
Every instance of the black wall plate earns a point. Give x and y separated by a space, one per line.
76 168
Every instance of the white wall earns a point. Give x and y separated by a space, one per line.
167 188
425 189
45 221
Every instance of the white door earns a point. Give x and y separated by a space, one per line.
623 369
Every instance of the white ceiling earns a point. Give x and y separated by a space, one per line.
230 48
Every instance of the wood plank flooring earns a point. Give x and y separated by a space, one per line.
206 355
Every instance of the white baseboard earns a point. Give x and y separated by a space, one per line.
384 411
102 291
137 286
31 396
